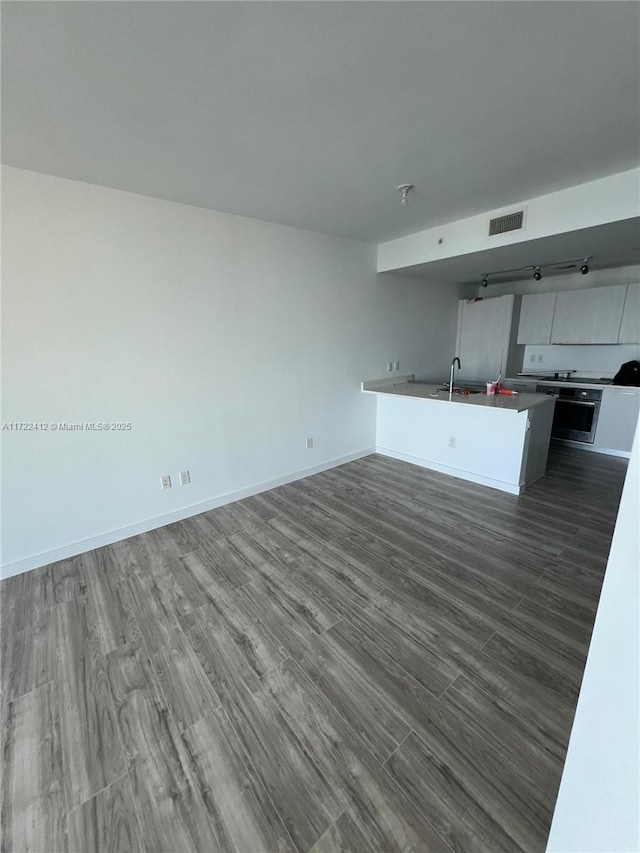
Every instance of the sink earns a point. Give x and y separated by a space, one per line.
471 387
458 392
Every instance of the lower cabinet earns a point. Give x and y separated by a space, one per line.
617 419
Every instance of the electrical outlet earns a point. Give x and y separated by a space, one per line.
539 358
165 481
396 365
185 478
452 441
532 358
389 366
309 443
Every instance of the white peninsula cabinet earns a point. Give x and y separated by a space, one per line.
497 441
591 316
536 318
630 325
617 420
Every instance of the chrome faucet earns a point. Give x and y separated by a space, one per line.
451 375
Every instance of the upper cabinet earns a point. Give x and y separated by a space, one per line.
485 337
591 316
630 325
536 318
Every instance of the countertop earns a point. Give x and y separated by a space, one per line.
560 383
405 386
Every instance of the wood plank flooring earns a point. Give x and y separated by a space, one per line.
376 658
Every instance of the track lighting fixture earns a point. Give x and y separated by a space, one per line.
571 264
484 281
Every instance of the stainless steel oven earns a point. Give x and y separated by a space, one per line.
576 412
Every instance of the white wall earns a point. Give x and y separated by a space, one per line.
599 360
224 341
597 810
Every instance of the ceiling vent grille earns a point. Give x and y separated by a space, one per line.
510 222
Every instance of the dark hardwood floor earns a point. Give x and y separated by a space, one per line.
376 658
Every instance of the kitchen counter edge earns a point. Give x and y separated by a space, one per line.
562 383
406 386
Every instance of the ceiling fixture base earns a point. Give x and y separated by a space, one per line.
404 189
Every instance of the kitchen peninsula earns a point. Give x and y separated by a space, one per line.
498 441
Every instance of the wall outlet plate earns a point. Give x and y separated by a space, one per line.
309 443
185 478
165 481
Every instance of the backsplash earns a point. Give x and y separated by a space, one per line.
602 360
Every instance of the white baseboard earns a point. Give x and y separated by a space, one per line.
73 549
605 451
511 488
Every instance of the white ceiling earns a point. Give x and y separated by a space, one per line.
311 113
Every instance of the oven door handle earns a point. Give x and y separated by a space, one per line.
577 402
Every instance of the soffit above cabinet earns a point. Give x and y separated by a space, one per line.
615 244
599 219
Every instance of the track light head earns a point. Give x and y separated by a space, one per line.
537 273
584 269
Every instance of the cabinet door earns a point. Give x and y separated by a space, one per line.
589 316
536 318
617 419
630 326
483 337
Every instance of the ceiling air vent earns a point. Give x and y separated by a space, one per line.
510 222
